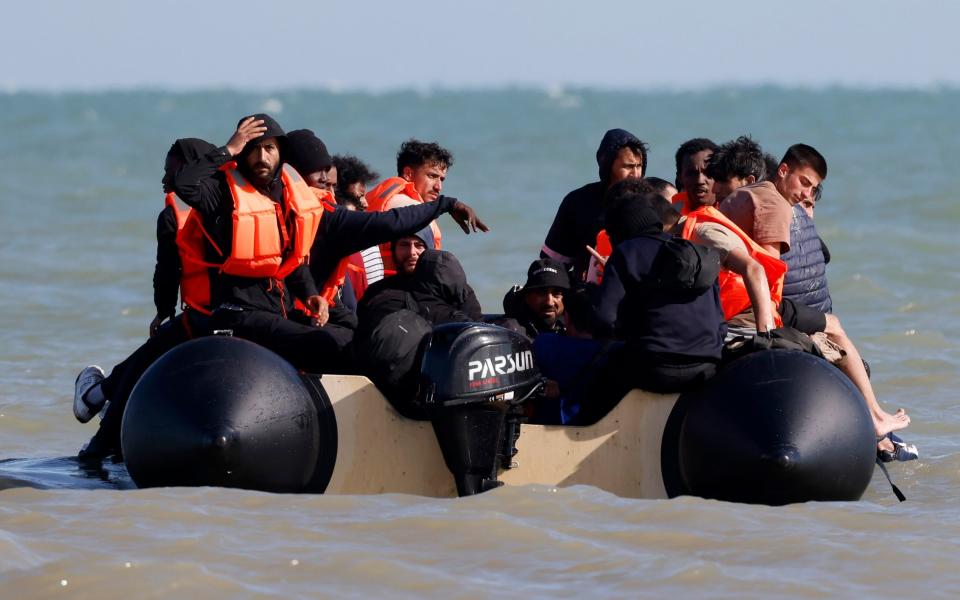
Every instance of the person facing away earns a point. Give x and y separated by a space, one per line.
761 207
421 171
601 251
696 187
93 388
673 334
537 306
579 218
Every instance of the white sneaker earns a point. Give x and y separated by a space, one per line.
88 377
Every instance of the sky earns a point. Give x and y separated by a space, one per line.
389 44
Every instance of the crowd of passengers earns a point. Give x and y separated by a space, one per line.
273 239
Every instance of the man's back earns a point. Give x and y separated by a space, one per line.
654 318
576 225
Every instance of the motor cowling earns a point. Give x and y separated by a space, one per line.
474 378
476 362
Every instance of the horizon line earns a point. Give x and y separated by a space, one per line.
11 89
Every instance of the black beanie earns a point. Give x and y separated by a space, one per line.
633 215
306 152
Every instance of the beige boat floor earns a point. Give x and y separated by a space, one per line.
379 451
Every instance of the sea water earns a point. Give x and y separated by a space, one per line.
80 192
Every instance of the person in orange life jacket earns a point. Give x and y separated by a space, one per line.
307 153
421 170
537 306
673 336
252 304
732 165
764 210
353 177
696 188
314 162
579 218
92 390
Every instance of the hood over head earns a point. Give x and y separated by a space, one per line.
425 235
183 151
439 274
273 130
613 140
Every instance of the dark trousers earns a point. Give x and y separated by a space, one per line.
118 385
308 348
628 368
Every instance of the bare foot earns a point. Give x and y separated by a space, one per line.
886 422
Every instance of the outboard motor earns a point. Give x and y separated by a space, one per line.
474 379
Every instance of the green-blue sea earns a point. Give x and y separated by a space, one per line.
80 191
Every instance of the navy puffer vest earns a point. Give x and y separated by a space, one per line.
806 280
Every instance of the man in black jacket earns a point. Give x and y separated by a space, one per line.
255 307
537 307
579 219
672 336
92 389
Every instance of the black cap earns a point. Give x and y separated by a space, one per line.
547 273
273 130
306 152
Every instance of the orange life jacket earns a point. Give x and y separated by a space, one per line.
604 248
733 291
377 200
260 236
194 278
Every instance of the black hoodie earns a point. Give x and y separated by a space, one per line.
203 186
166 274
580 216
439 286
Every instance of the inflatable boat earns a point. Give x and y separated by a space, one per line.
773 427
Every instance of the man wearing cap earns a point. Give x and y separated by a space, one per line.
262 260
538 306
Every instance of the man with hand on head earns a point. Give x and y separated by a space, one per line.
262 262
